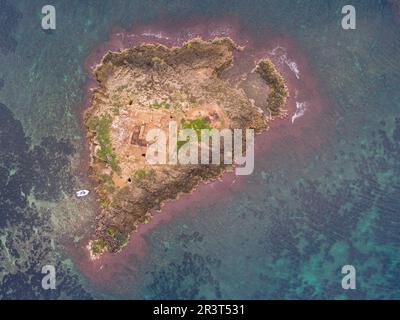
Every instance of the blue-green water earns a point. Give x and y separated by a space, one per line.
305 212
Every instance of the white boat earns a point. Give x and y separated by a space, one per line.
82 193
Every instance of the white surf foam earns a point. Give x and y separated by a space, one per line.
301 108
158 35
281 55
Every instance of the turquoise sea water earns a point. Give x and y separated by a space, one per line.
307 210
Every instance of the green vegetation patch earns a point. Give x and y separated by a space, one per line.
111 231
197 125
115 109
98 246
279 92
105 203
142 174
160 105
120 239
101 126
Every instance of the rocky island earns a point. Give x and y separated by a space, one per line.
198 86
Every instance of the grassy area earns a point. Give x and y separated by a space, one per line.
197 125
115 108
279 92
142 174
101 126
160 105
115 104
105 203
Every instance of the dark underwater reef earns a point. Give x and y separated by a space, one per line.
42 171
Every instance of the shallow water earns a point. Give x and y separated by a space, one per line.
325 191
